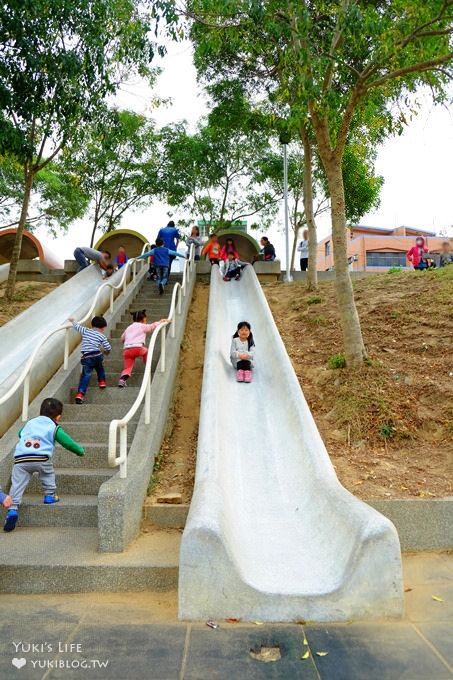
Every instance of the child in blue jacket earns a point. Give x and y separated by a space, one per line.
34 452
161 262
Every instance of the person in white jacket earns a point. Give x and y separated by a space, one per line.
242 352
302 248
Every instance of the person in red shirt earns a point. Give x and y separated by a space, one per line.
416 255
229 247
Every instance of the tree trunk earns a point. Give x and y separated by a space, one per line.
312 273
11 283
293 247
354 347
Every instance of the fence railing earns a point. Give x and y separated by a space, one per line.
24 377
179 291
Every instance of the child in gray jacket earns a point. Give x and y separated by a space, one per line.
242 351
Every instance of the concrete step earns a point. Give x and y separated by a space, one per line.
116 365
134 381
88 433
71 511
95 457
111 395
49 560
94 412
76 481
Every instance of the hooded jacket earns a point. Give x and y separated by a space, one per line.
415 254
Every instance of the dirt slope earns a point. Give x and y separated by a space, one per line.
388 429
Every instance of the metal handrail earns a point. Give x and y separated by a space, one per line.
179 291
25 375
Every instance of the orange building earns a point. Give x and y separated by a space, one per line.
372 249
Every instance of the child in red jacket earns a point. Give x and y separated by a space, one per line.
416 254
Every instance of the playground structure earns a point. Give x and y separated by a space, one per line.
31 249
271 533
132 241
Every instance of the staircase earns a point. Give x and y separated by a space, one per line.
78 479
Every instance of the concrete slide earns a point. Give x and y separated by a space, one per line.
271 533
19 337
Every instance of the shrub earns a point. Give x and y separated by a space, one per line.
337 361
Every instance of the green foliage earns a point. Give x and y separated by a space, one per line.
394 270
337 361
387 431
221 172
117 161
314 301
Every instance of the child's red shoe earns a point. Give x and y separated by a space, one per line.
79 398
240 375
102 384
248 376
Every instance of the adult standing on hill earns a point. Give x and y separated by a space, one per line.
302 248
171 238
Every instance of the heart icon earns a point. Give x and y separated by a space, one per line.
19 662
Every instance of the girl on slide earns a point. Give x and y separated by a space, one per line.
242 352
133 339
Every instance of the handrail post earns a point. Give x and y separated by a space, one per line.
148 402
162 349
123 451
179 303
173 325
26 397
66 349
111 299
134 269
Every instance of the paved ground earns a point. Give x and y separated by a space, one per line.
137 637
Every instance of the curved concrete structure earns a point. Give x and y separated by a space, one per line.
31 248
271 533
4 271
19 336
132 241
245 244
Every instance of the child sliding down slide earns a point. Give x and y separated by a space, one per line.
242 351
133 339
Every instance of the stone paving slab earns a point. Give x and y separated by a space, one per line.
140 638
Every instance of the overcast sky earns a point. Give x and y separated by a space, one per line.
417 167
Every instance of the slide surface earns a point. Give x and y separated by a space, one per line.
19 337
271 533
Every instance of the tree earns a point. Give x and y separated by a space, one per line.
340 67
118 161
57 198
58 61
218 171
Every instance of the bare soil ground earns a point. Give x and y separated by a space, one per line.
27 293
178 451
389 427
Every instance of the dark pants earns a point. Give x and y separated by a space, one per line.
162 275
172 257
303 264
244 365
82 261
89 364
232 273
214 260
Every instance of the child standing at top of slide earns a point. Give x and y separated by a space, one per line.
121 258
242 352
94 343
228 248
133 339
212 249
34 452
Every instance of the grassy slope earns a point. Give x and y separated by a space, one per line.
388 428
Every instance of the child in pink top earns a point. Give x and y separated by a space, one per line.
133 339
